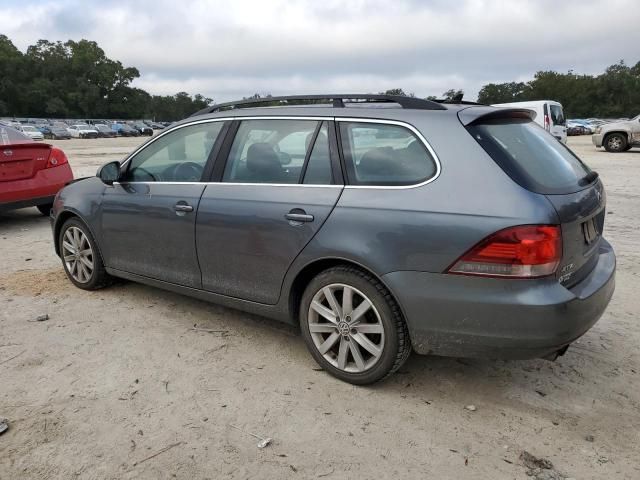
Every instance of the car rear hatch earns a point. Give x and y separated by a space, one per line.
538 162
21 161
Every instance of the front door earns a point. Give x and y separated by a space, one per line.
148 217
279 185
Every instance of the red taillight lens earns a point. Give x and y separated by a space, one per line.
56 157
547 123
526 251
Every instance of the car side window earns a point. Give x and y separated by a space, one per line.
178 156
318 168
384 154
269 151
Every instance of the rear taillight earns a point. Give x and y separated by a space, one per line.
547 123
525 251
56 157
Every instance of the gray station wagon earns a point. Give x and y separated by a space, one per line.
378 224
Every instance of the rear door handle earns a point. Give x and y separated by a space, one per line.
299 216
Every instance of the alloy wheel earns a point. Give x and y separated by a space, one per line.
77 254
346 328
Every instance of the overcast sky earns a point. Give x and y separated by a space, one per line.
234 48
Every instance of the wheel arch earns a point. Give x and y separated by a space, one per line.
61 219
313 268
621 132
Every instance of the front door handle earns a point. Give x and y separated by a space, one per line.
297 215
182 207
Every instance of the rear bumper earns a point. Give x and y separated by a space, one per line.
455 315
596 138
38 190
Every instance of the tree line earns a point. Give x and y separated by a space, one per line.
613 93
77 80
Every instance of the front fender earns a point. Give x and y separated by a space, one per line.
83 199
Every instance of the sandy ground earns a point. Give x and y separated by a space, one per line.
117 376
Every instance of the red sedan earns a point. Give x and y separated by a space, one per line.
31 173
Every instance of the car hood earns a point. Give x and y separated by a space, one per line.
609 126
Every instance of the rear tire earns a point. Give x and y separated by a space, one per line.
80 256
45 209
615 143
355 341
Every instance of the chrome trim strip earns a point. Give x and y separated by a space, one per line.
301 117
230 183
400 124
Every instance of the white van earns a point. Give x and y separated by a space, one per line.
549 115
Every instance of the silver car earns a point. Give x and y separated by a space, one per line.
378 224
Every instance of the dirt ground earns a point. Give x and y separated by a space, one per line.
118 385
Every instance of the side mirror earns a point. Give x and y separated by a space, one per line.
109 172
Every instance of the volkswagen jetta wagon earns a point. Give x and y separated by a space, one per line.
378 224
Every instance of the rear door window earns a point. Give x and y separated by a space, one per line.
531 156
269 151
384 154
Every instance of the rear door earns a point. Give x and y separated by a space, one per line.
533 159
279 183
149 216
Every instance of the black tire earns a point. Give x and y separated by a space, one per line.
98 278
45 209
615 143
396 344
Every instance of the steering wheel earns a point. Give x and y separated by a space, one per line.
188 172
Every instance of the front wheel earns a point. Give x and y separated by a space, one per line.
352 326
616 142
81 259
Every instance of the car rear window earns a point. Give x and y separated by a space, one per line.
10 135
531 156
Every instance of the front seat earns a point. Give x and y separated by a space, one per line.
263 164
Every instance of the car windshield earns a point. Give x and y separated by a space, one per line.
531 156
28 128
83 126
557 116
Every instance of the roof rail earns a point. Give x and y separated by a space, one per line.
338 101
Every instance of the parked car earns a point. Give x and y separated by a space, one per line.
124 130
55 133
82 130
451 229
549 115
142 128
31 173
618 136
154 125
104 131
31 131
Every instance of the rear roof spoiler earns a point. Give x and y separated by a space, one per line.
474 114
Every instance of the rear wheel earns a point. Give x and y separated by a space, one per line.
616 142
45 209
81 259
352 326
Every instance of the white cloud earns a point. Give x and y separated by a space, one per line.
229 49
